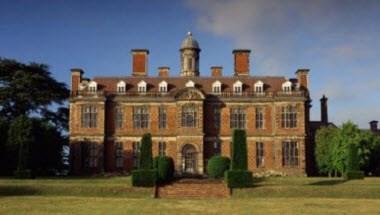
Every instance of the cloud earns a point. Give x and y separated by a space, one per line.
338 40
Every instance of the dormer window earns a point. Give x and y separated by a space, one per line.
141 87
163 87
287 87
217 87
238 88
190 84
92 87
121 87
259 87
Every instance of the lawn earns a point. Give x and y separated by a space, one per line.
116 196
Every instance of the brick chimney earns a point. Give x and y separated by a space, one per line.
324 110
140 62
373 125
303 78
216 71
76 78
241 62
163 71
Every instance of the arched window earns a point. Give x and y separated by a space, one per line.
190 84
141 87
217 87
121 87
259 87
238 88
163 87
189 116
287 87
92 87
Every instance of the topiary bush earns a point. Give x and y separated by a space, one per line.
144 177
165 168
217 165
238 178
155 162
239 150
146 161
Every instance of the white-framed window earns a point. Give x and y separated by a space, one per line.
260 154
92 87
238 88
121 87
162 148
136 146
119 155
217 87
162 117
163 87
287 87
290 153
141 87
119 117
237 118
259 87
190 84
259 115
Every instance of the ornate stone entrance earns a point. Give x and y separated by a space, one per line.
189 159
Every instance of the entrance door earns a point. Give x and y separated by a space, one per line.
189 159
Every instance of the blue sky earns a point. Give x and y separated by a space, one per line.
339 41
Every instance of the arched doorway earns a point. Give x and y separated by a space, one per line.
189 159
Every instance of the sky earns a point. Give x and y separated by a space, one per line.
338 40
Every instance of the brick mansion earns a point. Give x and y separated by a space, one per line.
190 117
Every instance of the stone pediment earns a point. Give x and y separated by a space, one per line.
189 94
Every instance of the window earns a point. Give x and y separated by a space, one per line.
163 87
189 116
217 87
119 155
141 87
119 117
121 87
92 87
237 118
289 116
190 84
161 117
259 154
287 87
259 87
238 88
259 118
190 63
89 116
136 146
216 110
162 148
93 155
290 153
140 117
217 147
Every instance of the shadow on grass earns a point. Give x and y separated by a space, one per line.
18 191
329 182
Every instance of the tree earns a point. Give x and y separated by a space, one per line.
146 160
239 150
324 139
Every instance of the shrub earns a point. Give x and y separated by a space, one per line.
155 162
146 161
165 168
217 165
24 173
144 177
353 175
238 178
239 150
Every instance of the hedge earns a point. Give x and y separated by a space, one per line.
238 178
21 174
239 150
353 175
165 168
144 177
217 165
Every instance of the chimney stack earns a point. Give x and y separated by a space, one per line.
303 78
140 62
76 79
241 62
216 71
163 71
324 110
373 125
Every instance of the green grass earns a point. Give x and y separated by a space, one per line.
282 195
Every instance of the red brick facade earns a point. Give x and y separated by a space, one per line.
206 138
